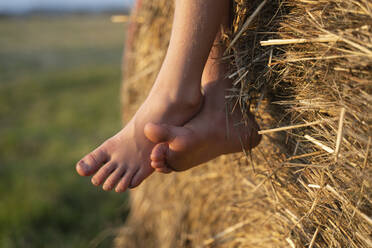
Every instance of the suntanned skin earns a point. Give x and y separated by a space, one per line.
124 160
207 135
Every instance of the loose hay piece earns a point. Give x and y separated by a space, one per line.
298 194
340 133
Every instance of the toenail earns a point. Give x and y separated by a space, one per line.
94 181
83 165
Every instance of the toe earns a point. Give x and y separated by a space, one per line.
124 182
160 167
164 170
159 152
91 162
157 165
103 173
137 178
114 178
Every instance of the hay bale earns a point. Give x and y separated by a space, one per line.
305 186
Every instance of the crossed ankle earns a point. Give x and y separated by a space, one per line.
178 86
179 99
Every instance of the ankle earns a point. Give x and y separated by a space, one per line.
179 91
183 100
179 75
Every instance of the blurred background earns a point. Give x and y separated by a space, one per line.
60 73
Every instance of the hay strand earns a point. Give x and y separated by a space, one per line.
313 238
340 133
319 144
246 25
290 242
125 19
275 42
291 127
225 232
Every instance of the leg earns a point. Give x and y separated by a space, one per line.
124 159
206 136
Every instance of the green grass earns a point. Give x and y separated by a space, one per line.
59 90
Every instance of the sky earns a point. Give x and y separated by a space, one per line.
19 6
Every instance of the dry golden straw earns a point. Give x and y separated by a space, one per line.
340 133
302 66
297 41
290 127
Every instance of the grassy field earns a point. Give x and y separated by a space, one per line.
59 90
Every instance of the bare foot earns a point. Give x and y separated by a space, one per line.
124 160
205 137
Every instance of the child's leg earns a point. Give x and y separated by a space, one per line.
124 159
206 136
